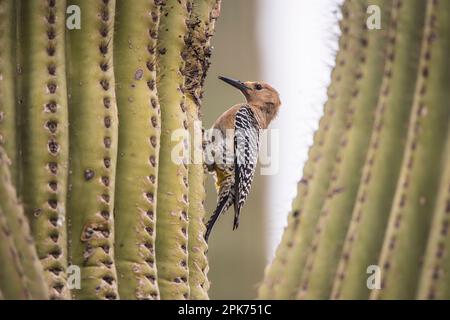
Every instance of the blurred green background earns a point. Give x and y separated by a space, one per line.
237 258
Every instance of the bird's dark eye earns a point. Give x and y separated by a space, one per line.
258 86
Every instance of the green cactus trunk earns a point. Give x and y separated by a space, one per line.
93 150
45 141
377 186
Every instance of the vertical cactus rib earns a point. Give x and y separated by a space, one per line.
434 281
45 138
415 196
384 157
33 272
197 51
308 213
21 273
7 83
139 135
336 211
94 139
172 198
203 15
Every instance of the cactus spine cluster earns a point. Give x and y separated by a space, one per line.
86 132
381 197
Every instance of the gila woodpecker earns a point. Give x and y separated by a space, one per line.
234 171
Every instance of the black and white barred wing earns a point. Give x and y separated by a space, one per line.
246 146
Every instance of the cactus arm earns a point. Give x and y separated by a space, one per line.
336 211
435 275
197 53
45 142
386 148
410 217
7 83
94 138
325 158
172 198
139 133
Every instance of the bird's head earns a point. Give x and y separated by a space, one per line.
258 94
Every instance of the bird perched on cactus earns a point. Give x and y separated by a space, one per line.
234 145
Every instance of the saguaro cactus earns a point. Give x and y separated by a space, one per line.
388 195
121 183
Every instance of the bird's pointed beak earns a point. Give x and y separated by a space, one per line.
235 83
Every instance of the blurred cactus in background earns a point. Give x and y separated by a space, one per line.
374 198
105 198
